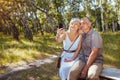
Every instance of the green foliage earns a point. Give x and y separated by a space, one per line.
34 16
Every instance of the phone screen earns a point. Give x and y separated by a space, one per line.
60 25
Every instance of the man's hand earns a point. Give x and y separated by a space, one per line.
84 73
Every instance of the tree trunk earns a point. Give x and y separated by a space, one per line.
106 28
39 25
116 28
113 26
26 29
15 31
102 22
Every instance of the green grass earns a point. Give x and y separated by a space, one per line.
43 46
111 46
25 50
12 51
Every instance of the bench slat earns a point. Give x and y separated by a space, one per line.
111 73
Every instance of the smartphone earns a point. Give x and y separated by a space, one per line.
60 25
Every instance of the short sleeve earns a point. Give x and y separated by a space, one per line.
96 40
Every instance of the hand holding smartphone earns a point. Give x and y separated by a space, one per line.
60 29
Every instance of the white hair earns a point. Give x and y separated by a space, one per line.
75 19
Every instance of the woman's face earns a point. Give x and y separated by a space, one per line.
75 25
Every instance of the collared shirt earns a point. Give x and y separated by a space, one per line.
92 40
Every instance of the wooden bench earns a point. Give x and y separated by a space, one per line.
110 74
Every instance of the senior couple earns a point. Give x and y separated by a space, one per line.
84 57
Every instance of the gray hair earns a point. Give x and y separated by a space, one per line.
87 19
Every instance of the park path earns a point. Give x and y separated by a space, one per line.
25 66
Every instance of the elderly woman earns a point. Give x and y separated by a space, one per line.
71 46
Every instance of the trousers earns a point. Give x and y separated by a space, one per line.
93 71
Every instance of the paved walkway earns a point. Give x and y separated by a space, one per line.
36 63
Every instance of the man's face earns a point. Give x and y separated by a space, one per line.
85 25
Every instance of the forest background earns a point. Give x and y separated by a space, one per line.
28 27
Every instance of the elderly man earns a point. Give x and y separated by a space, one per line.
90 64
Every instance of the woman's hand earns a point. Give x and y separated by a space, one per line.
60 31
60 35
68 60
